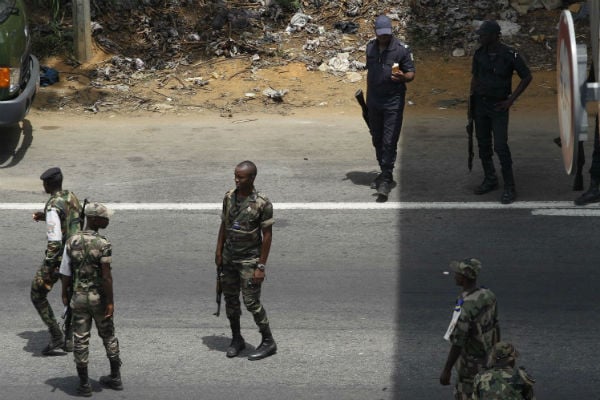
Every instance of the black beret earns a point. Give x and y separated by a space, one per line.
51 173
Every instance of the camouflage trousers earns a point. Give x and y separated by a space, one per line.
236 278
43 281
466 368
88 306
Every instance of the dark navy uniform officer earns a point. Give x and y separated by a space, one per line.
491 86
390 66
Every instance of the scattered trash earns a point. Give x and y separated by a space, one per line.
48 76
276 95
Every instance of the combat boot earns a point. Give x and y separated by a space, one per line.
591 196
509 195
56 340
376 181
237 342
267 346
383 191
113 380
84 389
490 180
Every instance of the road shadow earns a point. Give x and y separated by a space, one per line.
361 178
36 341
14 142
221 343
68 385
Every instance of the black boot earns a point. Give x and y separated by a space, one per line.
237 342
113 380
267 346
591 196
84 389
509 195
490 180
376 181
56 340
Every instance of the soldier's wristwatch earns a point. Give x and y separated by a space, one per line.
261 267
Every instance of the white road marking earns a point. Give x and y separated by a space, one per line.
550 208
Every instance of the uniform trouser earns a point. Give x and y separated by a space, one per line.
491 128
466 369
385 124
237 278
595 168
43 281
88 306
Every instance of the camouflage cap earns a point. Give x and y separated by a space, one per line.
504 352
51 173
97 210
468 267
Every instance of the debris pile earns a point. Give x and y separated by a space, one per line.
158 39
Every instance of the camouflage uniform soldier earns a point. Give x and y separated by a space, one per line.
243 247
86 266
473 331
503 381
61 214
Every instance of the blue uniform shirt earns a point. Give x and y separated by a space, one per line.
381 90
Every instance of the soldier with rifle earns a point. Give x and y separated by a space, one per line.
62 216
243 246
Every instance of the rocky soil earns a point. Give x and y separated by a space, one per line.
176 56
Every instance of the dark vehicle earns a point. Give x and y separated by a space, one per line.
19 69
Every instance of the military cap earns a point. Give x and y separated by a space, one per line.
51 173
488 27
468 267
383 25
97 210
504 352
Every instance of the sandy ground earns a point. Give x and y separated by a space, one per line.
235 90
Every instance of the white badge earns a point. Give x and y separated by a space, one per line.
454 320
53 228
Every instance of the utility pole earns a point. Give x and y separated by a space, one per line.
82 30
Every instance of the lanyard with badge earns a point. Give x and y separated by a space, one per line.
454 320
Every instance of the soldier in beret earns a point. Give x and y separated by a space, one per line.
61 214
473 330
503 380
86 266
493 66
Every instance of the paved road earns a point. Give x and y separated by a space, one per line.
357 298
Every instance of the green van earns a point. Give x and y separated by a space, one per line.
19 69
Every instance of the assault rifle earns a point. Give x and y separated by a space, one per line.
469 127
219 290
361 101
68 313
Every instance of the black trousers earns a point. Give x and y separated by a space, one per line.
491 129
385 124
595 168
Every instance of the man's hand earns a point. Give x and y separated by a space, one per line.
398 76
503 105
445 377
218 260
39 216
258 277
109 311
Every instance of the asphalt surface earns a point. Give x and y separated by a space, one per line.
358 299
